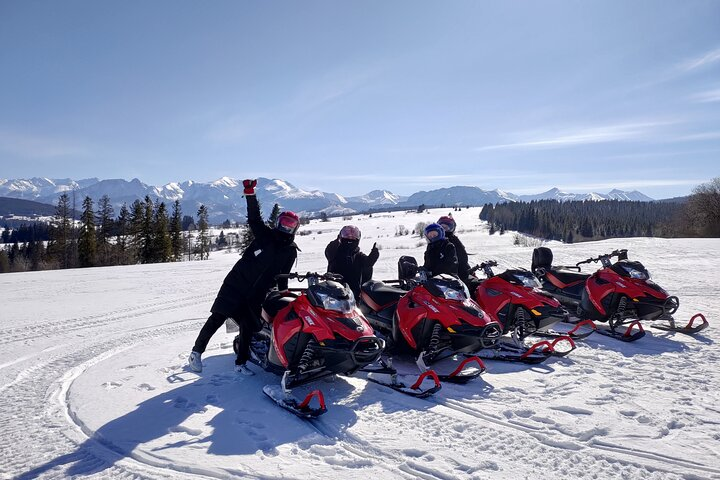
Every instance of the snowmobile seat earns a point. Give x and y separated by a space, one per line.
542 258
274 302
381 294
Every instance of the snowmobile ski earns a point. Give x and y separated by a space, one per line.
688 329
581 330
386 375
291 404
627 335
461 374
536 353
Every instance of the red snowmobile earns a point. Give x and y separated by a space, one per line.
515 299
310 333
620 294
429 319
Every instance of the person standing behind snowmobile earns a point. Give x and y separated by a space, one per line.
273 251
345 258
448 225
440 255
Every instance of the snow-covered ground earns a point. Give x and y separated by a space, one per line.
93 382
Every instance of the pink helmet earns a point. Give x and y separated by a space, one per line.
447 223
287 222
350 232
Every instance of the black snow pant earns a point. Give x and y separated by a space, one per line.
242 341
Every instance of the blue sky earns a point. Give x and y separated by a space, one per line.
348 96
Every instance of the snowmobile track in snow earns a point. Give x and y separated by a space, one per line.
37 415
42 328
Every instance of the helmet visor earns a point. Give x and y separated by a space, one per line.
432 234
287 224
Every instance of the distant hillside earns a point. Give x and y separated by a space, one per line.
24 208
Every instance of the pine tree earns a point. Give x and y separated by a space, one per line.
137 215
87 245
221 241
176 235
105 215
4 261
61 245
122 228
162 246
272 220
203 238
146 231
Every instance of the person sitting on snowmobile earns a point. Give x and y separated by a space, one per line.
440 255
345 258
273 251
448 224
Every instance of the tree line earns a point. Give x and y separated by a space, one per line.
144 232
576 221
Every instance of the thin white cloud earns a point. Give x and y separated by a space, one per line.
698 62
231 130
591 135
699 137
332 86
39 146
707 97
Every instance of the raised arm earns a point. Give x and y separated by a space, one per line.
255 221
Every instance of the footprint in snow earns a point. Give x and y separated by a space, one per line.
145 387
112 385
414 452
131 367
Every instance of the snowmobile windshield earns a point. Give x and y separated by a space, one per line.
527 280
636 273
343 305
452 290
333 296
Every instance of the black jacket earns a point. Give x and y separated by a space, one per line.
440 257
270 253
462 256
347 260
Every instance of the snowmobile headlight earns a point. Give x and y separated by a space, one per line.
343 305
634 273
454 294
528 281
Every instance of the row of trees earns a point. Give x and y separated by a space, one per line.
582 221
144 232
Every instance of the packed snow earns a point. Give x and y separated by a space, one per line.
94 382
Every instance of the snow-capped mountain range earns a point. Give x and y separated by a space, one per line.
224 197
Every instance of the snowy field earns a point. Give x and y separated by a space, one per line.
93 382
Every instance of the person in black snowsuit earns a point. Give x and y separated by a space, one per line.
448 225
440 255
345 258
273 251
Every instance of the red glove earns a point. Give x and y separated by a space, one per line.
249 187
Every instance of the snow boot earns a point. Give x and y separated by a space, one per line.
244 370
195 361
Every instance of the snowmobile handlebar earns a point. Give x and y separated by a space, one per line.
605 259
301 277
485 266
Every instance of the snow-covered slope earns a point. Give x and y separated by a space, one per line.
93 382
